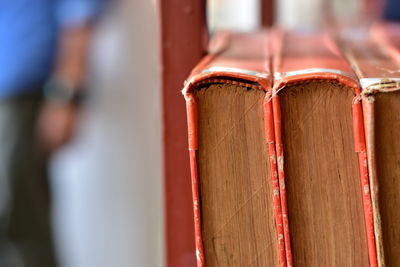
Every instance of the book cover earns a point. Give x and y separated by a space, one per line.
235 192
375 57
318 121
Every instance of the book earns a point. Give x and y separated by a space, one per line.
321 153
278 154
235 194
375 57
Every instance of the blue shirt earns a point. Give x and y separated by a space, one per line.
28 38
392 10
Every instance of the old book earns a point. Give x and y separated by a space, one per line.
235 194
376 58
321 154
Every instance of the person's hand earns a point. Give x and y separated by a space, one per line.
58 118
56 125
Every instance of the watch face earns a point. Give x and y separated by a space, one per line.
59 90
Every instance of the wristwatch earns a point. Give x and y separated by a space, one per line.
60 91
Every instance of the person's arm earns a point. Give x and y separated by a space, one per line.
72 55
63 91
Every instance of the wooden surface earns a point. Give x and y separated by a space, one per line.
235 182
387 119
183 43
322 178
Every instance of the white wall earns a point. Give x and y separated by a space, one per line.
242 15
108 183
311 14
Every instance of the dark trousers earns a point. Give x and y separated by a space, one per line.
25 232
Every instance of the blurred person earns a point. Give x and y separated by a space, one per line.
43 49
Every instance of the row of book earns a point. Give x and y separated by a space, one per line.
295 149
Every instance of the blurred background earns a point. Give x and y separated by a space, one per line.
107 183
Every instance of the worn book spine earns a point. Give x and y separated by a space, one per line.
216 68
330 66
369 126
277 193
276 48
376 59
361 149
